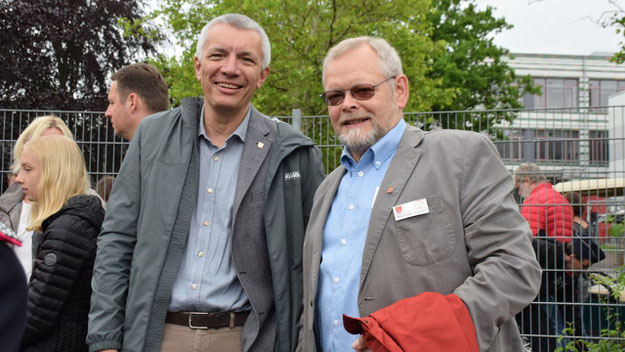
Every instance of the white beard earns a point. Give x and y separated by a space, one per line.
358 141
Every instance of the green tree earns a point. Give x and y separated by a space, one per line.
445 45
616 19
471 64
300 36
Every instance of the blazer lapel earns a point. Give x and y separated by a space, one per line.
255 150
317 223
400 170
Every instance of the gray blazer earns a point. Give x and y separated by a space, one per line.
473 242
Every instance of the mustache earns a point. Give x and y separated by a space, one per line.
346 117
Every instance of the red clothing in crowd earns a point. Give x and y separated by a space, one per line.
546 209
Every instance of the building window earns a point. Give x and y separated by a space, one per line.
543 146
511 147
557 93
557 145
601 89
599 151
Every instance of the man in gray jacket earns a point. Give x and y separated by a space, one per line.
410 221
201 246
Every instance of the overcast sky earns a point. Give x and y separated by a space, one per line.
556 26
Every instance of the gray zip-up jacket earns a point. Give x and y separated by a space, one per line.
147 224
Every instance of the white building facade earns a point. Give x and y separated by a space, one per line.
567 130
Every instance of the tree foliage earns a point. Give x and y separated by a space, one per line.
471 64
301 34
58 54
617 20
446 48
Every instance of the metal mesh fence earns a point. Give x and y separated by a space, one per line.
578 150
103 151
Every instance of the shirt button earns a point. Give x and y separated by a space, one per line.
336 279
200 254
378 163
351 207
336 323
343 241
360 173
206 223
194 286
216 158
210 191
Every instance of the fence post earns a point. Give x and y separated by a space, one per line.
296 121
529 149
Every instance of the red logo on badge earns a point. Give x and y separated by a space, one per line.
398 209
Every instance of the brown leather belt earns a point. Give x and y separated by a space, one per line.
203 321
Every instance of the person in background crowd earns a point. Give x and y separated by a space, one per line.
14 209
54 178
104 187
544 208
138 90
202 243
417 233
580 226
563 272
13 293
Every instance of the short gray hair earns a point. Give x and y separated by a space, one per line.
240 22
390 63
530 171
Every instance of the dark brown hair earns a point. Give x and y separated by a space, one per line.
576 202
104 187
147 82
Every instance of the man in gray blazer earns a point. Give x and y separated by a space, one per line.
201 246
409 213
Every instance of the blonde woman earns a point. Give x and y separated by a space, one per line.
14 211
54 179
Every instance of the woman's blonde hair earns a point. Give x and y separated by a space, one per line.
63 175
35 129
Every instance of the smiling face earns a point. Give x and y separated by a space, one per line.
29 175
360 123
230 69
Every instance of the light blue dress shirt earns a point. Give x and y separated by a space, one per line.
344 237
207 280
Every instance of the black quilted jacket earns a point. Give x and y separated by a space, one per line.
60 286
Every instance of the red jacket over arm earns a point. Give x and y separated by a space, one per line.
427 322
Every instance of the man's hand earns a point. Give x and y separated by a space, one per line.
359 345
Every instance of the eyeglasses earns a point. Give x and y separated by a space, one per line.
362 91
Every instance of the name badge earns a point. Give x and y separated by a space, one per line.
410 209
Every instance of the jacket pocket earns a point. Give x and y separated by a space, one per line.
427 238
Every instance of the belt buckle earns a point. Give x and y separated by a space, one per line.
191 314
231 325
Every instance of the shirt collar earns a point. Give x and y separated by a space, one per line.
379 152
240 132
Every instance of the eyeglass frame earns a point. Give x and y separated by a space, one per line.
324 95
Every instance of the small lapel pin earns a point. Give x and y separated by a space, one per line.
389 190
260 145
